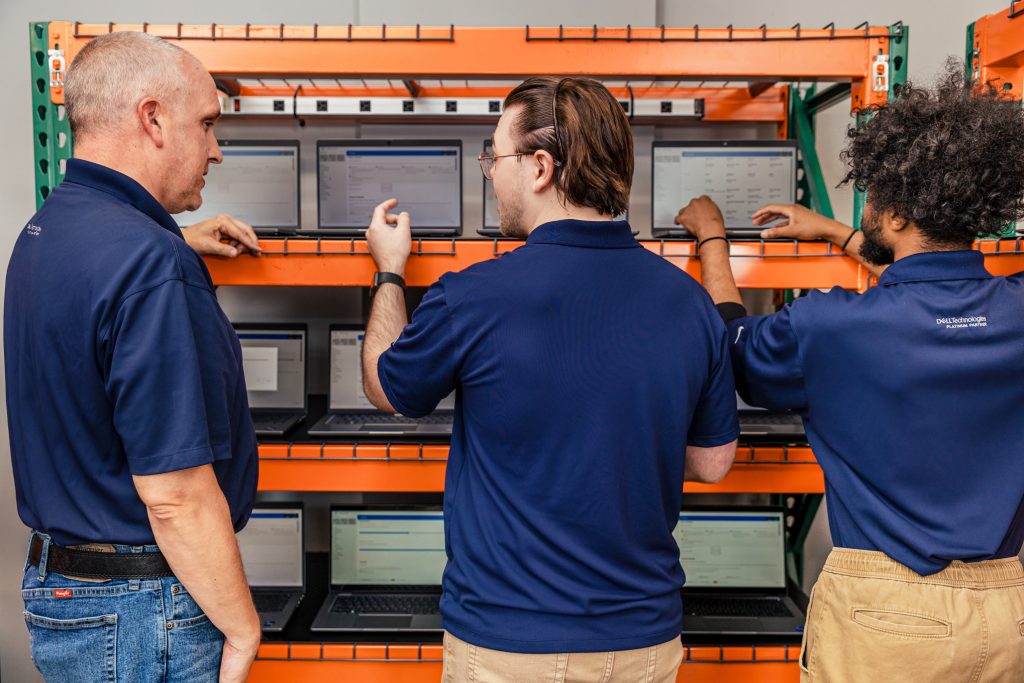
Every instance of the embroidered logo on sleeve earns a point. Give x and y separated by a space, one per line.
33 229
963 322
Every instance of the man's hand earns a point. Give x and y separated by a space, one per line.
702 218
389 238
800 223
235 662
208 237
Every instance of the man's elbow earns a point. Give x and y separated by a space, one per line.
176 495
710 465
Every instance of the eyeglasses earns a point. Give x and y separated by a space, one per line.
487 162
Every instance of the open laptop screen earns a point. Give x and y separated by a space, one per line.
395 547
732 549
346 390
271 547
740 176
274 363
258 182
357 175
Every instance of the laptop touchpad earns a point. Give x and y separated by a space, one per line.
383 622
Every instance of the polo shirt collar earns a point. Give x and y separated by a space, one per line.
576 233
121 187
936 266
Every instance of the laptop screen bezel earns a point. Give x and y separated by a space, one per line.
286 505
728 590
393 142
724 144
364 587
247 326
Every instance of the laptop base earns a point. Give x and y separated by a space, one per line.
275 620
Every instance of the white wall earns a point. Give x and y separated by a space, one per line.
936 32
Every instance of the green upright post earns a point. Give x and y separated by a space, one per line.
51 134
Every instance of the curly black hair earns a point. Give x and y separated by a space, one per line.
949 159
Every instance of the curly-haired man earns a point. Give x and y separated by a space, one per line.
911 393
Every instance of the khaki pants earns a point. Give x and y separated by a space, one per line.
873 620
465 663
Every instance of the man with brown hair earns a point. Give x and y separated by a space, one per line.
591 376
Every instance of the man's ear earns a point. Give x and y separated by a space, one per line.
150 115
896 222
544 170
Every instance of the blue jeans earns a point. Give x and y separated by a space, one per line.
119 630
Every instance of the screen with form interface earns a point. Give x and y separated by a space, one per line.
739 179
382 548
258 184
271 547
732 549
274 364
347 374
427 180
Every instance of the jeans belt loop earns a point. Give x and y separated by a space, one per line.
43 555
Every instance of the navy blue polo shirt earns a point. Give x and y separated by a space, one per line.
119 362
583 365
912 395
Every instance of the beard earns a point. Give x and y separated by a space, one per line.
873 249
510 218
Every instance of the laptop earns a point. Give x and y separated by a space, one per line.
386 566
764 422
735 564
740 175
257 182
274 363
274 560
491 221
354 176
350 413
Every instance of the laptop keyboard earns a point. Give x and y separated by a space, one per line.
770 419
271 602
386 604
432 419
273 421
734 607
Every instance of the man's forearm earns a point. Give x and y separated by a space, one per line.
716 273
387 320
195 534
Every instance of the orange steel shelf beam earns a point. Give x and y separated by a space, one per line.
761 54
346 263
412 663
405 468
770 265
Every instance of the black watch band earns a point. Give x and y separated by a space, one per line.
382 278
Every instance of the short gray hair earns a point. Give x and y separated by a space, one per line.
114 72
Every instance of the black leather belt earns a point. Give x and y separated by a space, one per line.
90 564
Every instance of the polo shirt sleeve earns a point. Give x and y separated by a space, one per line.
154 382
715 422
420 367
766 356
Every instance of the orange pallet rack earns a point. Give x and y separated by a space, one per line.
414 663
758 67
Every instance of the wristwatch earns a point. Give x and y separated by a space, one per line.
382 278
